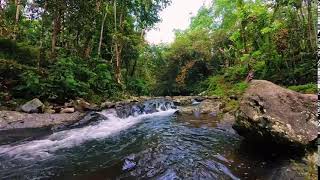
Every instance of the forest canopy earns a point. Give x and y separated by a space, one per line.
62 49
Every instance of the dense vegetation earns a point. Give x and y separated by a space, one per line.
274 39
58 50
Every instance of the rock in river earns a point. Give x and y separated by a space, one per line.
207 106
67 110
17 120
270 113
33 106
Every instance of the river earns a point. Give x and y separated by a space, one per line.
159 145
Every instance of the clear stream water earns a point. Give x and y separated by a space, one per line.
160 145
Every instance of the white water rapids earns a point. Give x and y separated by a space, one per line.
73 137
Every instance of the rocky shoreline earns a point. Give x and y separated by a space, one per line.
267 112
34 114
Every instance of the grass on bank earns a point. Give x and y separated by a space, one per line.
306 89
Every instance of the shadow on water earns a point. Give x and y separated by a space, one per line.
261 161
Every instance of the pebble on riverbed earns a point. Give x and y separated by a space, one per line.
128 165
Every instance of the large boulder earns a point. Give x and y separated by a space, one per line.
270 113
16 120
33 106
207 106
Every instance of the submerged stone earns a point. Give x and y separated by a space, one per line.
128 165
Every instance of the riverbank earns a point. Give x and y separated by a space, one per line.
159 144
265 111
34 114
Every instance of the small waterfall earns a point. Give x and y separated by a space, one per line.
145 107
114 121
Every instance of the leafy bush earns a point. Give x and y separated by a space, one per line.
21 52
75 77
217 86
240 88
69 78
307 88
7 45
231 105
26 54
31 84
236 73
220 87
260 70
102 81
137 86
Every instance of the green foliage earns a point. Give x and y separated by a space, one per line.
203 20
21 52
58 50
231 105
218 86
233 38
30 85
69 78
240 87
46 53
10 73
236 73
307 88
137 86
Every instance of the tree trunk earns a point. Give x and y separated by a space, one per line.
1 10
118 49
244 38
115 15
142 34
1 17
87 47
310 25
62 27
41 39
243 24
101 34
98 5
301 12
117 45
133 68
16 25
87 51
55 32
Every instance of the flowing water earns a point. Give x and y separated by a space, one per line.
158 145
